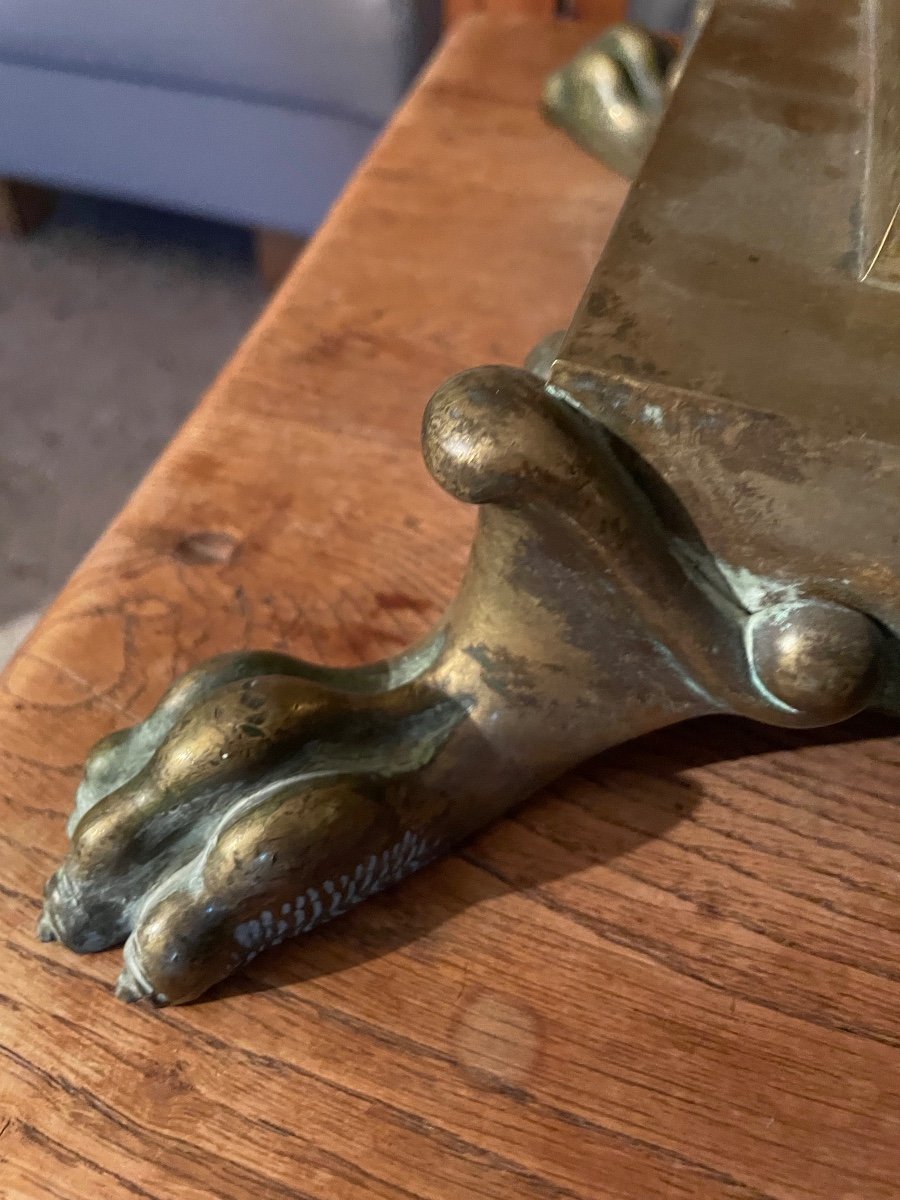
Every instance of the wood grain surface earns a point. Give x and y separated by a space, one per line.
675 974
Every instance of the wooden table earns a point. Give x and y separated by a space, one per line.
677 974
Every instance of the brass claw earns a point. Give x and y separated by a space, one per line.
265 796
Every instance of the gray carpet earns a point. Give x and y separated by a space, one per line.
113 320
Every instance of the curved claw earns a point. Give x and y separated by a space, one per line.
45 930
130 988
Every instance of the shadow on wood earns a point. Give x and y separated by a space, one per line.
602 815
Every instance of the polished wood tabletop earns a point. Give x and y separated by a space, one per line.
674 974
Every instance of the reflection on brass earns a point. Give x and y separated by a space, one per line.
688 505
611 97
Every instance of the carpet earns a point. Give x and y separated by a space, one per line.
113 321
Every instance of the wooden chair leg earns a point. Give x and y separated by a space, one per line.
276 253
23 207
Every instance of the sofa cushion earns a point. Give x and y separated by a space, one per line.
348 57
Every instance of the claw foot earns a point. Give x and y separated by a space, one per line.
243 811
265 795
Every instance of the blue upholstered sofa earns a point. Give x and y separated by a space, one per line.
252 111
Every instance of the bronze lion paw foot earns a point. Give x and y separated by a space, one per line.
253 804
265 795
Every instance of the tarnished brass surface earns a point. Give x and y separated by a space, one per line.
688 506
